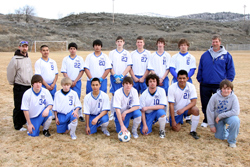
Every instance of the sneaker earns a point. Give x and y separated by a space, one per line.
232 145
22 129
106 132
189 121
194 135
135 134
167 121
204 124
46 133
73 136
162 134
81 119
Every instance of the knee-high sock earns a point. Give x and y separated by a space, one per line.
162 123
104 126
136 123
80 113
47 123
195 122
111 106
73 126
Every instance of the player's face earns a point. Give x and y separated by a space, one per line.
182 80
95 85
97 48
140 44
37 86
183 48
160 45
120 43
225 91
66 87
45 52
127 87
72 51
216 44
152 83
24 49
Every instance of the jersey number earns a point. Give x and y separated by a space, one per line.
186 96
42 101
143 59
70 102
125 59
156 101
77 65
101 63
164 62
52 67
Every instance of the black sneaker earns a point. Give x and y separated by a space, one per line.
194 135
46 133
189 121
162 134
81 119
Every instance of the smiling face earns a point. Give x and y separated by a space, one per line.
95 85
225 91
182 80
45 52
216 43
152 83
140 44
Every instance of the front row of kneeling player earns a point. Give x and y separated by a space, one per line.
37 103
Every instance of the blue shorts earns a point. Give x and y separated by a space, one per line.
178 118
37 122
64 120
165 85
52 92
114 86
93 128
152 118
132 115
140 87
102 88
78 88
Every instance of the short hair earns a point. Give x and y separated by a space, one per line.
140 38
153 76
96 79
227 83
36 78
66 81
72 44
182 72
97 42
183 41
128 79
44 46
161 40
119 38
216 37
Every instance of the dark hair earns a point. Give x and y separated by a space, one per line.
72 44
183 41
95 79
182 72
153 77
36 78
161 40
97 42
127 79
119 38
140 38
44 46
227 83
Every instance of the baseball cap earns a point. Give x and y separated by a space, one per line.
23 43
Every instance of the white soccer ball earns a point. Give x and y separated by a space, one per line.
124 136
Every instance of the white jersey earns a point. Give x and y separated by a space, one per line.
72 66
124 102
35 103
158 98
140 61
47 69
120 60
180 62
159 63
181 97
97 64
66 103
95 106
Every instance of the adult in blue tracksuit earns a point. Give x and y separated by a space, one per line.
216 64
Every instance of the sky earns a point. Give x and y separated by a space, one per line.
54 9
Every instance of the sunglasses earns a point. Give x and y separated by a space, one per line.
23 43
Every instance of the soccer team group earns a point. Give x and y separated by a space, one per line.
144 96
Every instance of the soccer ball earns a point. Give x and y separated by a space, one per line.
124 136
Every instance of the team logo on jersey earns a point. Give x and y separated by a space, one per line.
164 60
70 97
156 96
42 96
77 61
222 58
222 106
100 100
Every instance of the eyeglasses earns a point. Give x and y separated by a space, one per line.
23 43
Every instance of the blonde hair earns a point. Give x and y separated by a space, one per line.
66 81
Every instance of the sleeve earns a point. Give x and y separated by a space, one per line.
77 101
86 105
106 103
235 110
142 100
199 73
168 61
163 99
64 66
172 62
11 71
54 108
111 57
230 70
193 62
191 72
171 98
150 65
129 62
210 111
117 100
25 102
38 68
108 63
136 101
48 98
56 69
82 64
86 64
173 72
193 94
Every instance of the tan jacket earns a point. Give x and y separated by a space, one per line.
19 70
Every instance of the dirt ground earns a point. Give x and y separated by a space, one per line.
177 149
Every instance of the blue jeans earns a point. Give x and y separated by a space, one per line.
231 132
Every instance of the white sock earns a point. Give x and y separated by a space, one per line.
73 126
104 126
47 123
136 123
80 113
111 106
195 122
162 123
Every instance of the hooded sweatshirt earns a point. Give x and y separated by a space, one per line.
19 70
222 107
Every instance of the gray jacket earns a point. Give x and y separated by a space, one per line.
222 107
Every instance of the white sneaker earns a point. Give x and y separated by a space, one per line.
135 134
22 129
232 145
106 132
204 124
73 136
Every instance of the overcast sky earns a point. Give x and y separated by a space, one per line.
59 8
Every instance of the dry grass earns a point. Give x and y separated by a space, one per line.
177 149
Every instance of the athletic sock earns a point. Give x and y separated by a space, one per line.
80 113
104 126
111 106
73 126
136 123
162 123
47 123
195 122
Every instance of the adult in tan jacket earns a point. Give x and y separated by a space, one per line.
19 74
